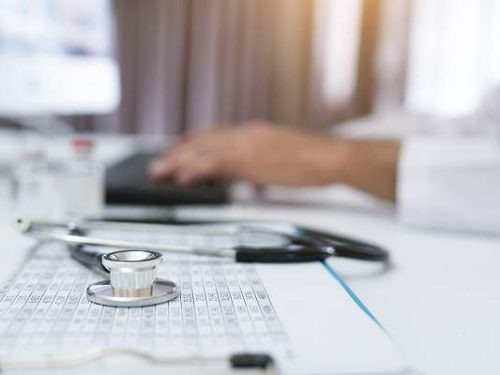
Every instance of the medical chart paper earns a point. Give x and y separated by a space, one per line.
44 307
223 307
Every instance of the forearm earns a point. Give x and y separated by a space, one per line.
370 165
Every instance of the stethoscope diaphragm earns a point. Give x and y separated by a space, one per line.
133 281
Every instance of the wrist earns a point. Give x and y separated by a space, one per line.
368 165
343 158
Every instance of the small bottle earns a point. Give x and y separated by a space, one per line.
29 177
81 182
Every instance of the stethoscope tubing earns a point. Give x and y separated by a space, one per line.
346 247
305 246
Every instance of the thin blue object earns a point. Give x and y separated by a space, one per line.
351 294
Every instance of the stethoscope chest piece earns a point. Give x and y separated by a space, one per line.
133 281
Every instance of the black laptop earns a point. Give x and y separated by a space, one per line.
127 183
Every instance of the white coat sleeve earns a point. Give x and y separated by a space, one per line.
452 179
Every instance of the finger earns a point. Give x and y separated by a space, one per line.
161 168
182 141
195 171
164 166
198 145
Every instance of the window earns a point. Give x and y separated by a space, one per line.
454 54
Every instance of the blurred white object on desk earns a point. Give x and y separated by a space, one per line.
62 189
31 184
79 182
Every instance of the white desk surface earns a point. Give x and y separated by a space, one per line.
440 301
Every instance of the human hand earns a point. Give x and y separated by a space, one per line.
257 152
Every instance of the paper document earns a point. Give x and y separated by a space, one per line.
298 313
45 308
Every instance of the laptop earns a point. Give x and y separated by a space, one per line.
127 183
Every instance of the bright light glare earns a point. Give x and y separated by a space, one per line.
454 55
336 47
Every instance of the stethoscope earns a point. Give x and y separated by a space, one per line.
132 278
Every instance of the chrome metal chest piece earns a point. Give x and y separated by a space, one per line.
133 281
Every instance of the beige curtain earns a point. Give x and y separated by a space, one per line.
189 64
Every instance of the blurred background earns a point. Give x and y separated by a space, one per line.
188 64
